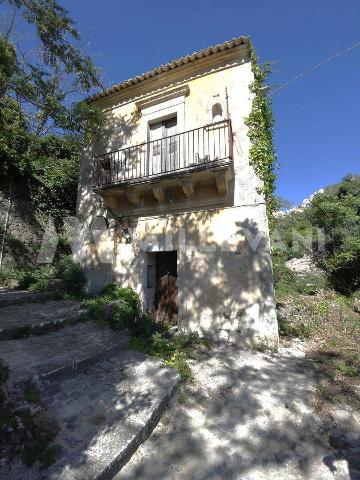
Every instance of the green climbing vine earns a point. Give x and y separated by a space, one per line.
260 122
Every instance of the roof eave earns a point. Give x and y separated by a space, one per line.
235 42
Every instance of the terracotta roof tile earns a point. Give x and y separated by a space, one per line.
171 65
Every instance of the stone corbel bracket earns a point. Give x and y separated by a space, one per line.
222 184
159 194
188 189
134 198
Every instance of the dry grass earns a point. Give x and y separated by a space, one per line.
330 328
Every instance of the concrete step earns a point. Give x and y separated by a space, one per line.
58 355
19 321
19 297
105 413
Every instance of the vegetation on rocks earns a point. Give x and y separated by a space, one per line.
337 212
40 279
328 230
321 306
35 280
25 428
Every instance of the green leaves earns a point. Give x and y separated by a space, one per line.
336 212
260 122
49 82
42 121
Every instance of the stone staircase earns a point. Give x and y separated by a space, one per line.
18 320
105 398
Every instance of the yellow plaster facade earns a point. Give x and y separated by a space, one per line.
213 217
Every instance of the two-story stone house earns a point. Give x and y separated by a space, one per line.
168 202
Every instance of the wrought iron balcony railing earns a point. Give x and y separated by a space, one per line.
196 149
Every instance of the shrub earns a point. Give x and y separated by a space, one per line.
336 211
119 308
123 316
31 394
96 309
115 292
72 274
40 279
35 280
293 330
41 285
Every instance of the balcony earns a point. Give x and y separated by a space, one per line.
168 173
199 149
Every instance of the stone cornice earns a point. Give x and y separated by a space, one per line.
163 96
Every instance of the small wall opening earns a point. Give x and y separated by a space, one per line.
217 113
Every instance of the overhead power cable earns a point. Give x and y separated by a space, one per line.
315 67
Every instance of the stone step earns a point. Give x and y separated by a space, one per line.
58 355
19 321
104 415
19 297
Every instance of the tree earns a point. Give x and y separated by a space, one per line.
49 81
337 212
43 118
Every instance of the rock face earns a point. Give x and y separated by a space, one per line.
300 208
25 227
302 266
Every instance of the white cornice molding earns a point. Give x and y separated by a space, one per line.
161 97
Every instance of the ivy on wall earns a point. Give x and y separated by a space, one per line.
260 122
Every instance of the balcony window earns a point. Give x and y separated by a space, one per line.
163 142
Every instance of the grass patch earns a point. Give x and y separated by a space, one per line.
118 308
324 392
347 369
299 330
173 351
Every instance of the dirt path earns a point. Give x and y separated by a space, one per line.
248 415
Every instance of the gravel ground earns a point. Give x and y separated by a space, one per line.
249 415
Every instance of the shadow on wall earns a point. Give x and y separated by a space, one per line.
99 267
117 131
222 292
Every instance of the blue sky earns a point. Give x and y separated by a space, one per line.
317 129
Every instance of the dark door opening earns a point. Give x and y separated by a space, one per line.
166 291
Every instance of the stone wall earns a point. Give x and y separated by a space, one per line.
25 228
